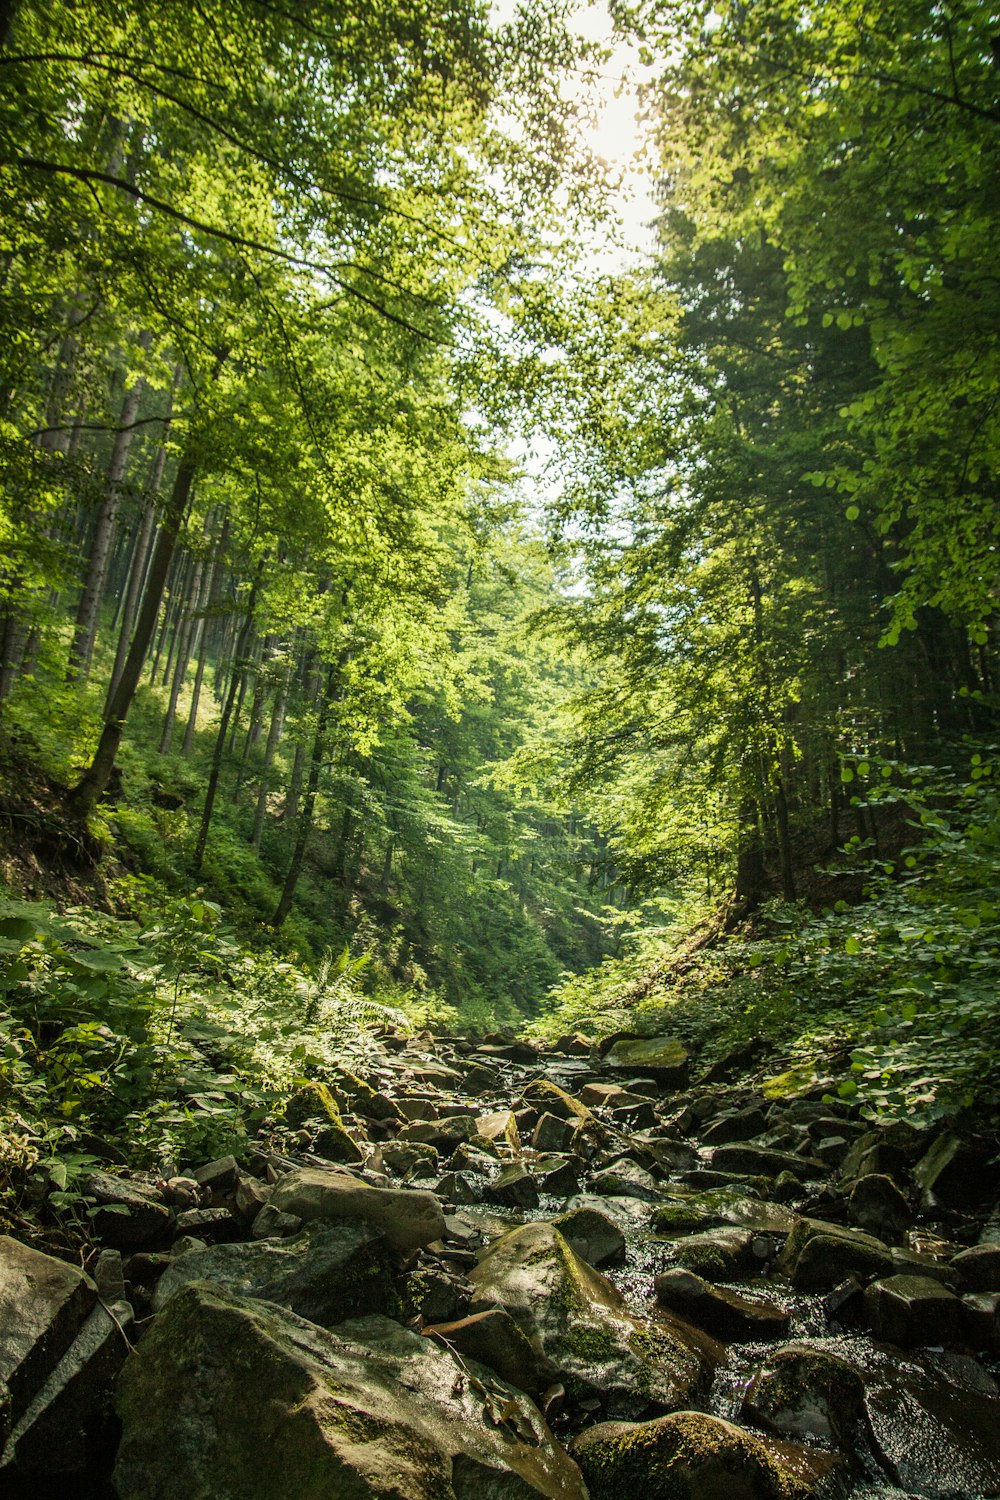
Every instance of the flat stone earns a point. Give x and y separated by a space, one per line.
548 1098
408 1218
219 1174
495 1340
625 1179
214 1225
718 1254
663 1059
500 1127
241 1398
741 1125
327 1273
758 1161
43 1303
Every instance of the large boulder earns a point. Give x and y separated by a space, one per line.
820 1255
802 1392
937 1432
662 1058
408 1218
580 1322
912 1310
228 1399
43 1303
685 1456
327 1273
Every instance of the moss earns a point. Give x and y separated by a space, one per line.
655 1459
313 1101
595 1345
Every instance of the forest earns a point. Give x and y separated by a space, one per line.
416 619
499 750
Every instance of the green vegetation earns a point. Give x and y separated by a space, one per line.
311 714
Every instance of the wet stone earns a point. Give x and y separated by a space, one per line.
514 1188
718 1254
978 1268
876 1205
808 1393
593 1236
912 1310
721 1313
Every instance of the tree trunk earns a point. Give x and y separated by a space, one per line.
220 739
95 780
88 611
309 803
199 590
201 647
270 750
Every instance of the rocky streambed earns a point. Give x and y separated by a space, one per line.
480 1272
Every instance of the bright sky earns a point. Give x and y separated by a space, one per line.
614 134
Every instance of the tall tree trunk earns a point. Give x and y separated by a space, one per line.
204 629
199 590
270 750
309 802
140 559
94 782
220 739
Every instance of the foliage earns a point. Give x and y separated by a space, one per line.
890 1004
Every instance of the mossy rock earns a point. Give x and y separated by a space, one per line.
803 1392
661 1058
313 1101
684 1456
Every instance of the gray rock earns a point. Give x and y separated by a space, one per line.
326 1273
231 1399
270 1223
821 1255
408 1219
592 1236
513 1188
625 1179
580 1322
43 1303
742 1125
758 1161
214 1225
129 1214
495 1340
53 1435
954 1174
553 1134
721 1313
912 1310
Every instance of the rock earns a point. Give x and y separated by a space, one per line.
56 1433
495 1340
469 1158
912 1310
978 1268
479 1079
313 1101
444 1134
820 1255
809 1393
273 1406
876 1205
573 1044
742 1125
625 1179
758 1161
554 1134
367 1101
218 1175
719 1312
684 1456
936 1435
249 1197
557 1175
592 1236
435 1296
718 1254
270 1223
514 1188
954 1174
408 1218
718 1207
580 1322
333 1143
403 1157
43 1303
548 1098
662 1058
460 1188
982 1320
327 1273
129 1214
214 1225
500 1128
